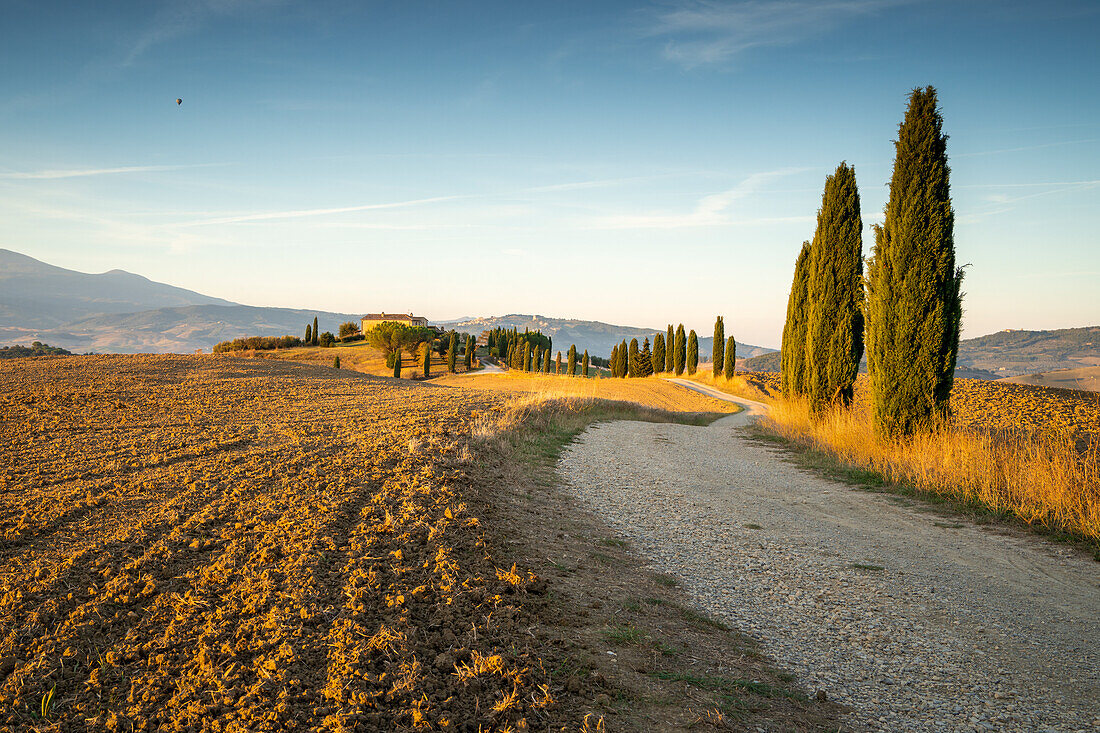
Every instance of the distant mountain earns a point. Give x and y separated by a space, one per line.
597 337
34 294
1007 353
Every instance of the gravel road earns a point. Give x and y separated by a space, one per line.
914 621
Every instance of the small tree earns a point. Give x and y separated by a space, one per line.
731 358
670 351
316 337
426 359
584 364
348 328
645 360
632 356
692 352
336 363
397 364
452 352
572 360
309 336
471 347
718 348
558 370
680 357
525 365
326 340
658 353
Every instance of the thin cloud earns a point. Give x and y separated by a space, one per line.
83 172
711 210
299 213
180 17
1024 148
705 32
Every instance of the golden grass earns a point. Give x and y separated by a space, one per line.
652 393
356 356
1041 477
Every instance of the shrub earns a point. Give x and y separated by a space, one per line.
326 340
336 363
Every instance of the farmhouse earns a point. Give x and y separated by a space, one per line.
373 319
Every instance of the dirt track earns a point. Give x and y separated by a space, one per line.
914 620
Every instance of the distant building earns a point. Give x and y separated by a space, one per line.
373 319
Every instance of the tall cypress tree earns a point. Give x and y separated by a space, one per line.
670 351
692 352
572 360
536 359
558 365
834 319
426 360
309 336
633 355
729 367
624 359
680 356
914 300
658 353
526 364
471 347
452 353
316 335
645 360
613 362
792 358
718 348
397 363
584 364
546 361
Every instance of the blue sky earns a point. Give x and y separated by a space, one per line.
636 163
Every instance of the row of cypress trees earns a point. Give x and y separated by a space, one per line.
909 307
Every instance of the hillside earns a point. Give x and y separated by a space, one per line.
34 294
1085 378
595 336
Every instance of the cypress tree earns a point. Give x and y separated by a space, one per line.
632 359
584 364
692 352
792 357
729 368
670 351
427 363
397 363
645 360
834 319
914 308
316 334
309 336
658 353
471 347
558 365
624 359
536 359
718 349
613 362
452 352
546 361
572 360
680 355
526 364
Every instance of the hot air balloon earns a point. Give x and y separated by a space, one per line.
179 102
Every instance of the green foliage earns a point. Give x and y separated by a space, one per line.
584 364
348 328
729 366
633 355
391 336
471 347
257 343
623 369
336 363
692 352
37 348
614 361
680 352
718 349
670 351
452 352
525 363
792 379
914 296
558 370
834 322
546 362
658 353
396 364
572 360
426 359
308 340
645 360
316 333
326 340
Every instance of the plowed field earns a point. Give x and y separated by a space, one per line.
211 543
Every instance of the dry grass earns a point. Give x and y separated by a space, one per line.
655 394
356 356
1050 477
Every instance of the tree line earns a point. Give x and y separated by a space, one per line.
906 311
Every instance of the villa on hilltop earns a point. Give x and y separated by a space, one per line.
373 319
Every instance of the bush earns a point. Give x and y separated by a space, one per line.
336 363
349 328
326 340
351 338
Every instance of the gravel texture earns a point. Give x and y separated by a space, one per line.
914 621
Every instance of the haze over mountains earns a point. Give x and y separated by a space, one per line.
121 312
